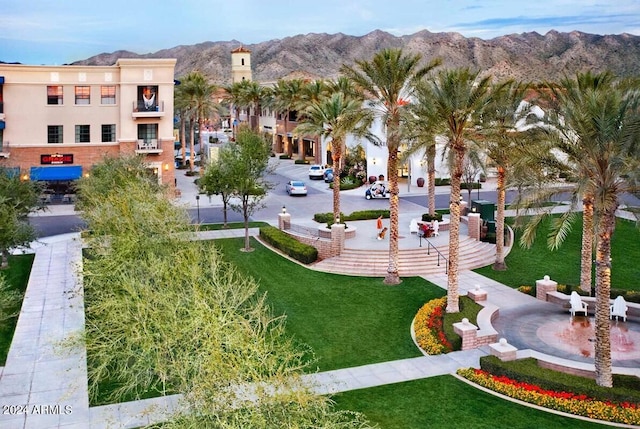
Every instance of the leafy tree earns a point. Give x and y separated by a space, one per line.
334 118
246 161
17 200
217 180
458 99
388 82
287 97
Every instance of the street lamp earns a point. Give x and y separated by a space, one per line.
478 188
198 205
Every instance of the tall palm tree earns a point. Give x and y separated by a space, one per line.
195 98
600 136
287 96
458 99
512 128
388 81
334 117
253 95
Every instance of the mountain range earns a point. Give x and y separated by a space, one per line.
527 56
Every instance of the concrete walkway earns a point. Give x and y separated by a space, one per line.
45 380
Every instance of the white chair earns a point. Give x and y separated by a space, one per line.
413 226
618 309
577 304
436 228
154 144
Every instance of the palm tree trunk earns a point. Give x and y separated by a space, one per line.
300 148
393 277
183 141
499 264
191 144
288 141
431 179
586 254
603 291
336 156
454 231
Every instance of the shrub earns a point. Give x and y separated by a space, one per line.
192 173
428 327
289 245
285 156
426 217
357 215
472 185
439 181
301 161
529 290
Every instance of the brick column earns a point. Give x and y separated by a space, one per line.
474 225
543 286
503 350
468 332
337 238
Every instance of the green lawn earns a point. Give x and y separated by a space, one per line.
17 276
348 321
525 266
446 402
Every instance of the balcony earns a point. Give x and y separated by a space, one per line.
140 111
148 147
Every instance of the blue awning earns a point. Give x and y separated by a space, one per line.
2 125
67 172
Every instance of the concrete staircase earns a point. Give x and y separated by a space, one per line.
412 262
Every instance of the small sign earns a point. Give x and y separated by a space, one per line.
57 158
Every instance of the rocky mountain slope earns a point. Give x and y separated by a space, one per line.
527 56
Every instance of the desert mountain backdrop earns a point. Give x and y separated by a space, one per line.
527 56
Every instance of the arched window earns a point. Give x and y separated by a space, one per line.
242 61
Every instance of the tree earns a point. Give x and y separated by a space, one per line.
333 118
194 97
421 139
246 161
458 99
17 200
388 81
287 96
217 180
599 133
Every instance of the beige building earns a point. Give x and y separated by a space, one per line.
58 121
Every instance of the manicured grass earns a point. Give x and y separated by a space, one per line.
347 321
445 402
230 225
525 266
17 276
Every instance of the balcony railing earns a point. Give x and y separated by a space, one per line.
140 111
150 146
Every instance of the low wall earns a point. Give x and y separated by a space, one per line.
325 232
324 246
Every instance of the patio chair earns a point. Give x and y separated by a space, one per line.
413 226
618 309
577 304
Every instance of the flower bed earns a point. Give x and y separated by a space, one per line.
428 327
581 405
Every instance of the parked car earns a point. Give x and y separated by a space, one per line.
379 189
178 157
316 172
296 187
328 175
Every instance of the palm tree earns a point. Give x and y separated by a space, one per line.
388 81
287 95
458 99
195 99
334 117
599 126
253 96
513 127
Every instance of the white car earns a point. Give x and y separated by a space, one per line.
178 157
316 172
296 187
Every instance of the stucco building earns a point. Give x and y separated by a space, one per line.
56 122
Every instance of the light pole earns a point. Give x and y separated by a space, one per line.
198 205
478 188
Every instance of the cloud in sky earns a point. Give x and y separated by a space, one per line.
57 31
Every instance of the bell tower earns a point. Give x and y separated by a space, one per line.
240 65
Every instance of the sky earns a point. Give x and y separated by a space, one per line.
54 32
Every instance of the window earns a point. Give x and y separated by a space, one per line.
242 61
83 134
109 133
108 94
147 132
54 134
54 94
83 94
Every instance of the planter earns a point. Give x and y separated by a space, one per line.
420 182
372 179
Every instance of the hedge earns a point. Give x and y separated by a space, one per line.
285 156
357 215
426 217
439 181
301 161
289 245
472 185
528 371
